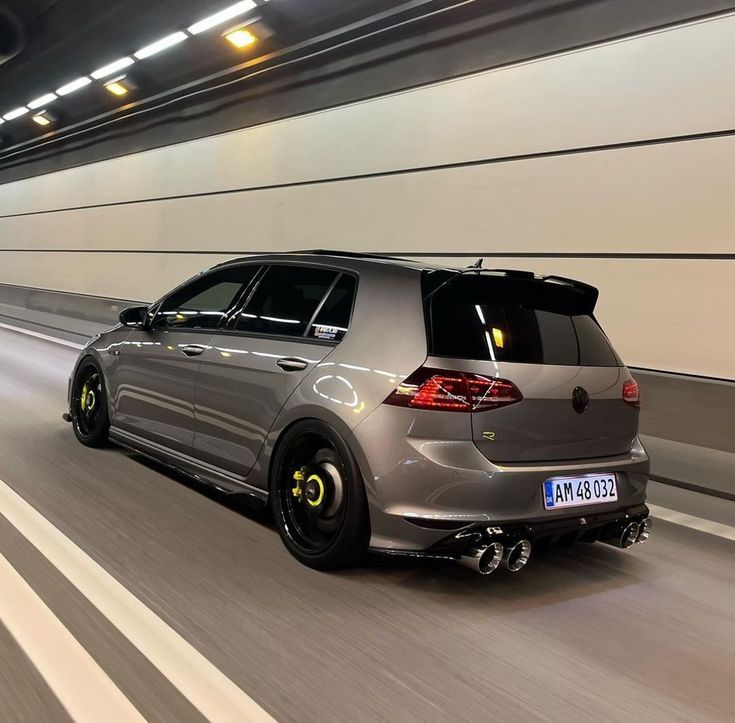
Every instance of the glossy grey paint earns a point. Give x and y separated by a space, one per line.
240 392
154 386
415 464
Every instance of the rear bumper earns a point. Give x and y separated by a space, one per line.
422 492
579 528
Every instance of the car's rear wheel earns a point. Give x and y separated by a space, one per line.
318 498
89 414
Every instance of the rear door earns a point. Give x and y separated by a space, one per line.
290 323
541 336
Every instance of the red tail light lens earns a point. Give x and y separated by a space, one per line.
451 391
631 394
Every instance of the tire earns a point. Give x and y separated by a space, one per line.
89 413
318 498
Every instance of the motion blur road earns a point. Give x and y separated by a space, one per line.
583 633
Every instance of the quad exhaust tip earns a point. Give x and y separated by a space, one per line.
644 530
629 535
487 558
516 556
484 558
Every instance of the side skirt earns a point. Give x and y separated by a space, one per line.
187 465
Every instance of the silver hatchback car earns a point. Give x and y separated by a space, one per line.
381 404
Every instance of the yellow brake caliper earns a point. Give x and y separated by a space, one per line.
83 400
298 477
298 491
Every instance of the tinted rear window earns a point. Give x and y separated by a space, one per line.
333 318
285 300
494 318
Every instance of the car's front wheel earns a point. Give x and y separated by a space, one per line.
89 414
318 498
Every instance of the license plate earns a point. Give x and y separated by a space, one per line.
577 491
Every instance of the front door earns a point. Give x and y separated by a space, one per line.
156 385
159 366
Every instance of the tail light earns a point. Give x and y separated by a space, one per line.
451 391
631 394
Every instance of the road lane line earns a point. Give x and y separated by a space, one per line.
198 680
81 686
39 335
695 523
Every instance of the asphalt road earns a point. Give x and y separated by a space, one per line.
583 633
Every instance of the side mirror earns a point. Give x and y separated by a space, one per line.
134 316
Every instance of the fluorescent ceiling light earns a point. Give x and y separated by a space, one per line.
116 87
42 118
241 38
43 100
223 16
112 68
160 45
74 85
17 113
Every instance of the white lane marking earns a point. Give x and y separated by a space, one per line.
696 523
207 688
80 685
45 337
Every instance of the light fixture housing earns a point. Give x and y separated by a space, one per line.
240 37
42 101
160 45
74 85
43 118
116 88
17 113
119 86
222 16
113 68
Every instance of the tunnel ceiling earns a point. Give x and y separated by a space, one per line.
59 41
45 44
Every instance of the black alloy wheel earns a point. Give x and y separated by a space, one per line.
89 405
318 498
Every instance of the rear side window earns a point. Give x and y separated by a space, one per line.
203 302
333 318
285 300
493 318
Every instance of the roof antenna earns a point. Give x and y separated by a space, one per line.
477 264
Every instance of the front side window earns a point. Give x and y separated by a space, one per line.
204 302
285 300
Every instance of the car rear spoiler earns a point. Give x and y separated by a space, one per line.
583 296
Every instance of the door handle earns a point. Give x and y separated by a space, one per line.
291 364
192 350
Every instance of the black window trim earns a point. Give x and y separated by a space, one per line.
154 309
226 324
245 295
320 305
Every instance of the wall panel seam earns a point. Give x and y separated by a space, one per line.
622 145
407 254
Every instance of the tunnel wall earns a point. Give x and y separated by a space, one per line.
612 163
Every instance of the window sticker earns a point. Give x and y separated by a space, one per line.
321 331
